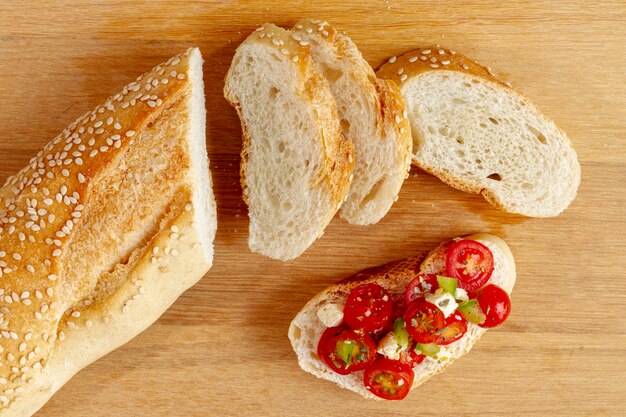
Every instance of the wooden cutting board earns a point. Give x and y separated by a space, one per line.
222 349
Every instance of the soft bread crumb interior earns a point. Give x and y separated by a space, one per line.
287 199
472 131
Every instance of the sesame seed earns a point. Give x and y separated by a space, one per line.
400 71
52 277
75 314
426 51
433 60
285 51
22 347
130 133
441 52
155 250
398 119
445 62
295 58
413 59
393 59
423 58
403 77
434 66
56 252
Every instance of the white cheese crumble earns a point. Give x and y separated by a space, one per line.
444 301
389 347
330 315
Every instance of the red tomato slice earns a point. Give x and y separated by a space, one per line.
368 308
456 326
345 351
470 262
424 283
496 305
410 356
423 321
388 379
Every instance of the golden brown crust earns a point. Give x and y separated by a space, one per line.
54 209
402 68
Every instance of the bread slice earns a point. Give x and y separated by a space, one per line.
373 117
295 163
306 329
478 135
103 230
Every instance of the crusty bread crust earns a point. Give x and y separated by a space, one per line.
104 229
306 329
403 69
382 140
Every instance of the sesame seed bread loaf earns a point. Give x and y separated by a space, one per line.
306 328
373 117
478 135
102 231
295 163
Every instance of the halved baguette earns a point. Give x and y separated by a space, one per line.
103 230
373 117
306 328
478 135
295 163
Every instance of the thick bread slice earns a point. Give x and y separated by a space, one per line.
373 117
295 163
306 329
479 135
103 230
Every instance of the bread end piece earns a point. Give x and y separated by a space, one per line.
139 231
478 135
295 162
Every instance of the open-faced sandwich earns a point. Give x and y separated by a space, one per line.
388 329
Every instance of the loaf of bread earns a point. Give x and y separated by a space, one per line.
373 118
296 166
477 134
102 231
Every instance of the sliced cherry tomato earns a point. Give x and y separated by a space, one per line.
368 308
388 379
470 262
423 283
495 303
346 351
456 326
410 356
423 321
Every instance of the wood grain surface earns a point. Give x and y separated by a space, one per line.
222 349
